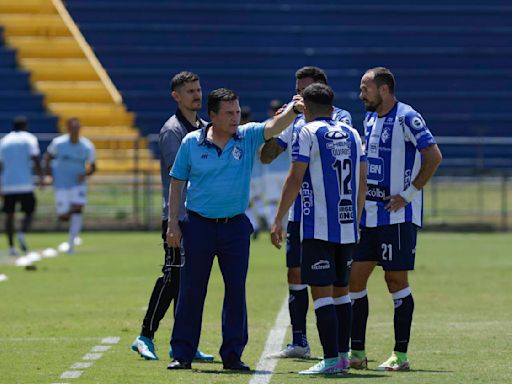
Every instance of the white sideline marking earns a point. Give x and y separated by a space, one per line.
71 375
110 340
266 365
101 348
92 356
45 339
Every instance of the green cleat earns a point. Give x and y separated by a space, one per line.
397 362
358 359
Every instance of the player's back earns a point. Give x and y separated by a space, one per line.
331 183
16 151
69 160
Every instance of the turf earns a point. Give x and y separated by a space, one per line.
50 318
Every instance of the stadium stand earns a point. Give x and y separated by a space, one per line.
17 97
452 58
72 85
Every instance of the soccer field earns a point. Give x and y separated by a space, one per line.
72 308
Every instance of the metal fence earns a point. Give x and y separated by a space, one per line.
465 197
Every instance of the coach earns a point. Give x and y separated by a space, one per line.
216 162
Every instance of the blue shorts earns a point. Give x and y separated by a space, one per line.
392 246
325 263
293 244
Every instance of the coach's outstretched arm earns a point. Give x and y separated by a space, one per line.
280 122
431 158
173 228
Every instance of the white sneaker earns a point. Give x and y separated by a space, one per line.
325 367
293 351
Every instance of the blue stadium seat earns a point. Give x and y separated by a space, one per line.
455 74
17 97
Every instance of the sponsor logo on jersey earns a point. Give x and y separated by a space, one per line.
336 135
417 122
321 264
307 198
345 212
204 156
338 144
376 192
375 168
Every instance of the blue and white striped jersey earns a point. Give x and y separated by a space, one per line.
329 190
393 143
16 151
290 135
69 160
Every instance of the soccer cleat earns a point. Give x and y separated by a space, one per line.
358 360
330 366
397 362
293 351
344 361
23 242
145 348
199 356
13 251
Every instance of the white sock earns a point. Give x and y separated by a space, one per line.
75 227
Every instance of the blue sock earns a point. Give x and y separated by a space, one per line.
344 314
359 319
298 304
404 308
327 324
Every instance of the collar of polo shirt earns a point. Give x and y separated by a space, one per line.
203 139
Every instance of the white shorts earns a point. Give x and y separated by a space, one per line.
66 197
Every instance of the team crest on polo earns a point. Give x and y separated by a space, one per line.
237 153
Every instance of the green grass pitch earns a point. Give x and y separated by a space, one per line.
50 318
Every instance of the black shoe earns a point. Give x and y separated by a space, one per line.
176 364
236 365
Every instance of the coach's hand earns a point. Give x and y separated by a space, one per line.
396 203
173 234
277 234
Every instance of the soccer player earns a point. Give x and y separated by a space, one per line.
70 159
19 149
298 302
188 95
402 157
329 169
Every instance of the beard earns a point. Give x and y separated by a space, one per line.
372 106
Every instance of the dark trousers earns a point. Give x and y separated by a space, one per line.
203 240
165 290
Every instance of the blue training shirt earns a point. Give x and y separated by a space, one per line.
218 180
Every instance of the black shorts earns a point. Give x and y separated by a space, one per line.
392 246
26 200
293 244
325 263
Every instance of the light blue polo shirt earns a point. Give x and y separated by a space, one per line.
218 181
69 160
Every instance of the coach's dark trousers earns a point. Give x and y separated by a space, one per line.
202 240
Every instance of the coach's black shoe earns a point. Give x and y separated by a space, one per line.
236 365
176 364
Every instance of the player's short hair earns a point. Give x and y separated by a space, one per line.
20 123
71 120
274 105
383 76
318 98
181 78
217 95
315 73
